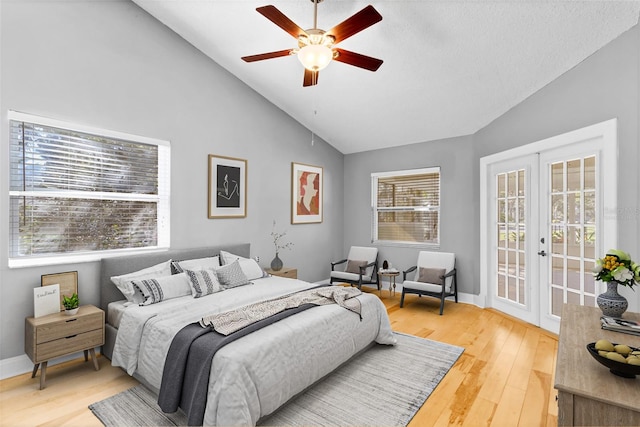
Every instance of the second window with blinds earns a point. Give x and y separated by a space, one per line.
406 206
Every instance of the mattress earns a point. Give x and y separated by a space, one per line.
115 311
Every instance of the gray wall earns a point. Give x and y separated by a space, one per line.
110 65
604 86
457 185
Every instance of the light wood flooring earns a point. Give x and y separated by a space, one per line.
503 378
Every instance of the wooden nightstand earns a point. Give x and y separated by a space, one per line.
59 334
291 273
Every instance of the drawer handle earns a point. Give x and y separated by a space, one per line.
70 320
70 336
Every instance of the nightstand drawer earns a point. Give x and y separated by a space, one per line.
68 345
288 272
66 327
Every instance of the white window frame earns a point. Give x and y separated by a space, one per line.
374 207
163 197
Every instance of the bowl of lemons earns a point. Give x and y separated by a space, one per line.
621 359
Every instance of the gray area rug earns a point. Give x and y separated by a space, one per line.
383 386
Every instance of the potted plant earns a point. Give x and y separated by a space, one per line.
70 304
276 263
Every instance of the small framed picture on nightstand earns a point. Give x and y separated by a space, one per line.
67 281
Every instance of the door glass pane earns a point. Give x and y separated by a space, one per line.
502 236
521 291
557 239
557 300
557 208
590 173
557 270
574 177
590 207
589 281
557 177
574 208
573 274
511 185
512 288
502 261
500 178
589 237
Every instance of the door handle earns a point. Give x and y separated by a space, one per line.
542 253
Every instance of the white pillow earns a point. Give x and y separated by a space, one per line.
251 269
160 289
228 257
123 282
196 264
203 282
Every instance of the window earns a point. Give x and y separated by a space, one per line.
406 206
80 193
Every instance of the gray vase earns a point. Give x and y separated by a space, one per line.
276 263
611 302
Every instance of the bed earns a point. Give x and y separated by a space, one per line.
256 374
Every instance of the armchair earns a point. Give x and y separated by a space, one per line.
435 277
361 267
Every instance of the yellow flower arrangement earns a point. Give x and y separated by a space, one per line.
617 266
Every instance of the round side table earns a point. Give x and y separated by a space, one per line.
391 276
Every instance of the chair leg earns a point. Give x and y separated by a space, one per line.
441 304
402 299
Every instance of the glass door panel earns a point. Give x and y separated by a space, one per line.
572 232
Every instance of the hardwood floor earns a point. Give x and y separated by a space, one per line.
503 378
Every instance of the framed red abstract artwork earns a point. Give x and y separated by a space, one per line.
306 194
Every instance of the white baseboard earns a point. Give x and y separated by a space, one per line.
19 365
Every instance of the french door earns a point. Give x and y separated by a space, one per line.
544 215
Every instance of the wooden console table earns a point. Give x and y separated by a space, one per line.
588 394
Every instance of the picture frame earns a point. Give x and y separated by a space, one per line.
68 282
306 193
227 187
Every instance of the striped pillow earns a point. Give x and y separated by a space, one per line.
203 282
162 288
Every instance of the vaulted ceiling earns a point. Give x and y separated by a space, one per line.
450 66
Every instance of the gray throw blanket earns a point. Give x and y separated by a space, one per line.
234 320
186 371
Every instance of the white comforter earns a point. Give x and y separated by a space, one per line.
256 374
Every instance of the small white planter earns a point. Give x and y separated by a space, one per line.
72 311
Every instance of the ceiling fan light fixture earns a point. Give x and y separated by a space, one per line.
315 57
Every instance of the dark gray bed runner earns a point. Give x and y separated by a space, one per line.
185 377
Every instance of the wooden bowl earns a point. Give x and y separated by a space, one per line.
617 368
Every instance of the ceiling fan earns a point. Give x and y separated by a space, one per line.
316 47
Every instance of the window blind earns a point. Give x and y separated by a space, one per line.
73 191
407 206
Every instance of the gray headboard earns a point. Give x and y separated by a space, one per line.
116 266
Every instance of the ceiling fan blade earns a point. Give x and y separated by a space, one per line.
274 15
268 55
357 60
310 78
355 23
